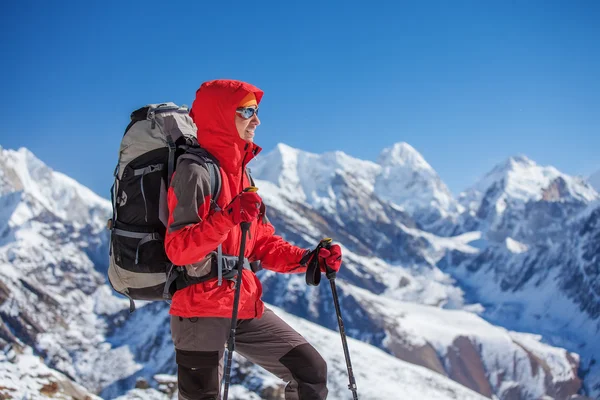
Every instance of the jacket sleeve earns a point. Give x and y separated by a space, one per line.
192 232
274 252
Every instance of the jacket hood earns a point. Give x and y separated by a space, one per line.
213 112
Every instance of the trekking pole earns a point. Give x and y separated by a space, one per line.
236 299
331 276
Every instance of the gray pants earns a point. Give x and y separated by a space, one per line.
267 341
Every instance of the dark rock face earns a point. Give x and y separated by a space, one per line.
22 326
4 292
465 366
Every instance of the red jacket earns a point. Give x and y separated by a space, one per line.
194 229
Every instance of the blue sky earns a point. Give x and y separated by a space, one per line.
467 83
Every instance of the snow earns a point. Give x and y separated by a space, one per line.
386 375
520 180
307 177
515 246
535 302
403 154
27 376
56 192
408 180
143 394
401 176
501 351
553 356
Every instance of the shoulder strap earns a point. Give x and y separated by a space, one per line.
203 157
215 181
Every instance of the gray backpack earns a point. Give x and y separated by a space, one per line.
156 137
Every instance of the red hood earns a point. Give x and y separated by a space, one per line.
213 112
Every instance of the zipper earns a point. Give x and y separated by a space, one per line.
242 183
243 168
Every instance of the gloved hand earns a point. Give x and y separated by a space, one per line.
332 257
243 208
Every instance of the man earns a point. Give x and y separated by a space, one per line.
226 115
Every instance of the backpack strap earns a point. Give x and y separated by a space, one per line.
202 156
171 162
213 169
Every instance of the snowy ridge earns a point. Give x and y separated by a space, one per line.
21 171
519 180
26 376
408 180
401 176
307 177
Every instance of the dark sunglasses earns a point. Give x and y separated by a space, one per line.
247 112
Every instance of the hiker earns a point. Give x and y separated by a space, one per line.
226 115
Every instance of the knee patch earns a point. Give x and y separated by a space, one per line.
198 373
306 364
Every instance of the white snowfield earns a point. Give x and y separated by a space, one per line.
502 351
25 376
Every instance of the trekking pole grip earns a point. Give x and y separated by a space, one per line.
329 272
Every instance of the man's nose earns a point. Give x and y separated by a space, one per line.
255 120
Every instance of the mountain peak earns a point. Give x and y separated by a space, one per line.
521 179
520 160
285 150
408 180
22 171
402 153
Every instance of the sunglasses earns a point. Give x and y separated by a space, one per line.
247 112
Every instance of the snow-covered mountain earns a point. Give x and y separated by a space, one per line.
38 189
400 176
398 291
518 198
408 180
413 277
25 376
510 240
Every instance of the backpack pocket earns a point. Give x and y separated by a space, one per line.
140 263
141 190
140 252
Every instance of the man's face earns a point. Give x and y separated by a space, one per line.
246 126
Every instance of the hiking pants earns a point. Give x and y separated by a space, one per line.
267 341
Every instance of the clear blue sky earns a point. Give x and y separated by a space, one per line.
467 83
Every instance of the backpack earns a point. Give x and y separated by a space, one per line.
157 136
